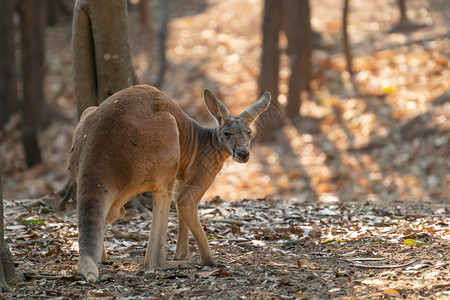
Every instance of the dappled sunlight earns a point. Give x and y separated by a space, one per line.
347 147
410 77
349 198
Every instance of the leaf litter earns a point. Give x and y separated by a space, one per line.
269 249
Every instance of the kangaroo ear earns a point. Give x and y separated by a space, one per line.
251 113
216 108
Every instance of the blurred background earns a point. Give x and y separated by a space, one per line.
361 114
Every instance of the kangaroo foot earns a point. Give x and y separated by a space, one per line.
88 268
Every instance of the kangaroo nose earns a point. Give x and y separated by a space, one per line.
243 153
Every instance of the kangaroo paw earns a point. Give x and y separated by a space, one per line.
178 256
88 268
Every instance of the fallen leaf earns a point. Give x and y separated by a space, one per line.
392 293
218 272
443 294
388 89
415 242
301 295
332 240
38 222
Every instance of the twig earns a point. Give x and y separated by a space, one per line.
206 206
237 241
127 236
47 276
232 222
35 241
43 296
442 285
119 234
26 206
295 242
382 267
364 259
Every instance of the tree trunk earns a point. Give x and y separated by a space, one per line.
59 11
8 74
268 78
347 47
144 11
404 25
101 52
402 8
299 35
102 63
7 268
32 27
163 12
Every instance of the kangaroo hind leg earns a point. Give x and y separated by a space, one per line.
155 257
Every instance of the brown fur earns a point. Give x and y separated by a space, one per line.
138 140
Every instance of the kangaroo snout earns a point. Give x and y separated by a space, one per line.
241 155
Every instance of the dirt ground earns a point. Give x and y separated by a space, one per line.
270 249
348 202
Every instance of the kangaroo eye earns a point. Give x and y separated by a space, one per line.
227 134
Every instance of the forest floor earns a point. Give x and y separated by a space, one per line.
350 200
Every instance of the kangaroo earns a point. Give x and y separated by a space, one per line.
138 140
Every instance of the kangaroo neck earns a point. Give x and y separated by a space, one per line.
209 141
200 148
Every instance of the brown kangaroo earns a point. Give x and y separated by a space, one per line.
138 140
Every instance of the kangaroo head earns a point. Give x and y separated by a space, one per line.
234 133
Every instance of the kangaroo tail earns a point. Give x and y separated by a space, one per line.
91 230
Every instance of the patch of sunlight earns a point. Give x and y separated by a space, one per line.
74 247
258 243
374 282
329 198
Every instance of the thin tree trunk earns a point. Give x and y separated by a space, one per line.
404 25
101 53
144 10
347 47
8 74
32 27
268 78
163 12
402 8
84 76
59 11
7 268
299 34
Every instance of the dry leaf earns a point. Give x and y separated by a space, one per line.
392 293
